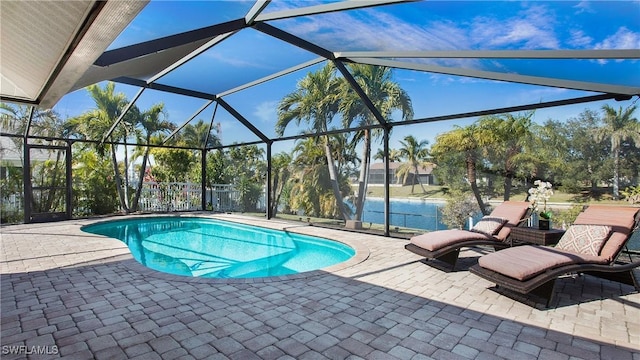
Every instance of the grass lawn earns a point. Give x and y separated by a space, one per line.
561 212
602 196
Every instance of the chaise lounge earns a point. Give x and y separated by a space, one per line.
491 230
590 246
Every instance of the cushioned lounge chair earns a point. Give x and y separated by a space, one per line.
590 246
492 230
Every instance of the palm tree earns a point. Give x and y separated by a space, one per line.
311 188
315 101
619 126
281 170
95 123
387 96
153 123
195 135
394 155
466 140
14 119
415 152
506 136
308 177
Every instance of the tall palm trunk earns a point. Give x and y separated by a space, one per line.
143 169
363 179
278 184
126 174
471 175
616 173
116 174
416 176
274 196
334 181
509 174
54 183
508 181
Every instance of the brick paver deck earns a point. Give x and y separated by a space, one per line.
69 293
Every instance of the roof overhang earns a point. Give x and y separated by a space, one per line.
41 62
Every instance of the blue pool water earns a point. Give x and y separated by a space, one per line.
415 214
220 249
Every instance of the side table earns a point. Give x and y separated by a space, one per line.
532 235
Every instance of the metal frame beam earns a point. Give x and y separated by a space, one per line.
153 46
28 127
188 121
496 54
325 8
504 110
190 56
361 93
243 120
273 76
492 75
165 88
255 11
124 113
213 116
293 40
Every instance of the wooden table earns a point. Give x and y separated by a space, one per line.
531 235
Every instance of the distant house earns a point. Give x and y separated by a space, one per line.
12 156
376 174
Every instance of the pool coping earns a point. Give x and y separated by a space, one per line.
362 252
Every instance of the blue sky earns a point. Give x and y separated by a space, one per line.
432 25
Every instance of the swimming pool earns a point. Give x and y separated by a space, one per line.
200 247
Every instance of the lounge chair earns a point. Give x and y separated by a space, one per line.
492 230
590 246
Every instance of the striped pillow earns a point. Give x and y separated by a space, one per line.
489 225
584 239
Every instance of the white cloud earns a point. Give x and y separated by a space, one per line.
375 30
622 39
583 7
532 28
371 29
234 61
267 112
579 39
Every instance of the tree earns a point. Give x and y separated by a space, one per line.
311 190
572 155
195 135
94 124
246 169
415 152
394 155
281 172
619 126
153 122
458 208
315 101
172 165
386 96
50 172
93 193
467 140
506 136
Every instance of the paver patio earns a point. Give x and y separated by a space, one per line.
72 294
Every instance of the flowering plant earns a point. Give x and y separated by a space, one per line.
540 193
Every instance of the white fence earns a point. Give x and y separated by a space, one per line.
162 197
170 197
187 197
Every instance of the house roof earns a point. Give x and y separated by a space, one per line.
47 46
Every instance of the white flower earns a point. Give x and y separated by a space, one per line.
541 192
